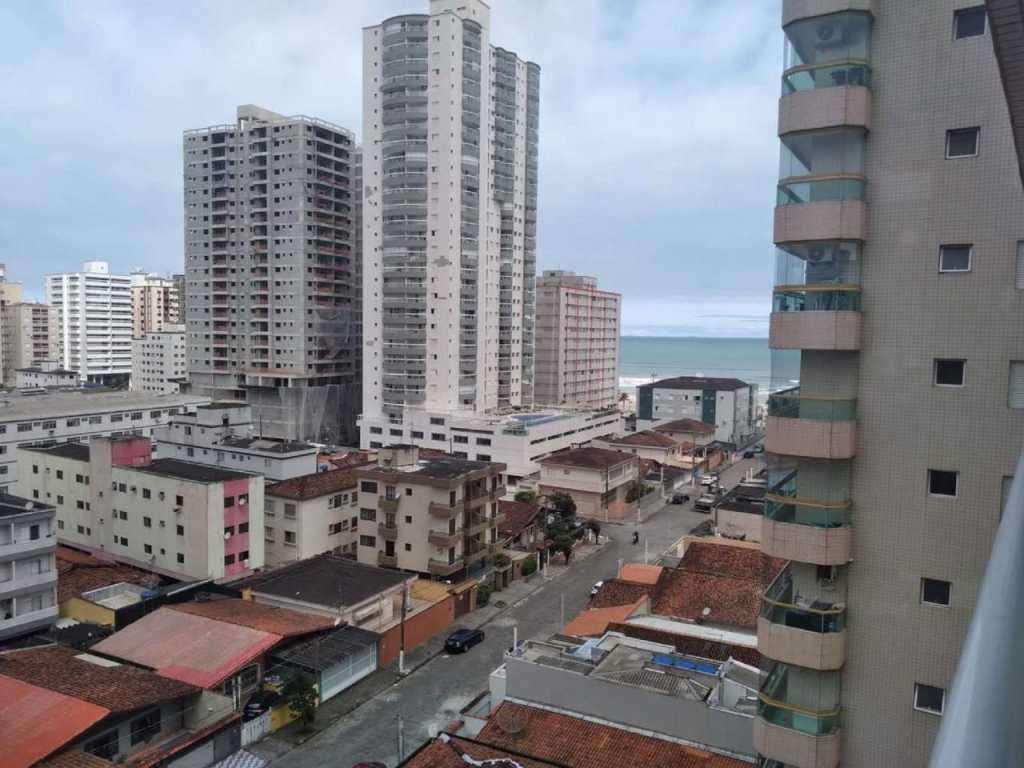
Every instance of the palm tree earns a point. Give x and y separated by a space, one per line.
623 401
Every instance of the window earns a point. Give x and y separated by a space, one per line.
124 515
106 746
243 527
483 457
368 514
180 530
969 22
408 547
962 142
437 420
368 541
368 486
949 373
33 532
79 504
145 727
929 698
1020 265
35 469
416 435
955 258
408 491
147 522
122 488
395 432
935 591
60 474
146 493
437 436
460 439
408 519
179 501
229 501
1016 387
25 427
229 559
289 511
147 548
376 430
268 533
289 538
483 441
243 499
229 530
942 482
181 558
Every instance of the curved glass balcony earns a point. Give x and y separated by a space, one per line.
836 37
817 263
781 605
822 152
790 404
802 700
842 188
815 76
816 298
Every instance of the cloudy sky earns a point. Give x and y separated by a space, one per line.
658 155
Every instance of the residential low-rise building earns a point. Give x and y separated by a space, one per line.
59 417
223 434
650 444
436 515
311 514
176 518
28 569
46 375
730 405
93 590
515 438
159 360
598 480
521 526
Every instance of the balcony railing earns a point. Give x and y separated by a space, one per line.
831 75
388 532
772 706
836 188
779 605
445 511
816 298
789 404
388 503
444 567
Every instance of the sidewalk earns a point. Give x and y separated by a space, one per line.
279 743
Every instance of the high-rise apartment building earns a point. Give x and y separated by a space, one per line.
29 337
450 214
577 341
899 286
270 271
94 322
155 303
159 361
10 293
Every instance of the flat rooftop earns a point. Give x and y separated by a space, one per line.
187 470
266 445
15 407
11 505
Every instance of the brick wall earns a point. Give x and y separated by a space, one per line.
419 628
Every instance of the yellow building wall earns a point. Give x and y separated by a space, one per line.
82 610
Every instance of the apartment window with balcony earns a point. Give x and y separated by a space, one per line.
943 482
969 22
949 373
935 591
955 258
929 698
962 142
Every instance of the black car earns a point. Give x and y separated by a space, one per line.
461 640
680 498
260 703
748 454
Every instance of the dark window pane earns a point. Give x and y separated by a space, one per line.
969 22
949 372
929 698
935 591
962 142
954 258
942 482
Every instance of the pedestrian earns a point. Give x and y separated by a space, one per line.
636 537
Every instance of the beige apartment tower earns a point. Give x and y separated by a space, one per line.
155 303
899 290
577 341
29 337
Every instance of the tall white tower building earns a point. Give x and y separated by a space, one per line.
449 216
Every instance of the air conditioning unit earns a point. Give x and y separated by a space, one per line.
163 523
245 563
227 535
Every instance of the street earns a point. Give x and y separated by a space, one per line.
428 700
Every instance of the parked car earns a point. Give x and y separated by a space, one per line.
461 640
260 703
680 498
596 588
705 503
749 454
758 448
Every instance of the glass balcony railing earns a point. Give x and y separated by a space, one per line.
810 78
803 700
816 298
819 262
790 404
805 721
839 188
821 514
781 605
833 38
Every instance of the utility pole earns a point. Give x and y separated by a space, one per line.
563 610
401 633
401 740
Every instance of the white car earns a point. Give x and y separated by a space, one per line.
596 588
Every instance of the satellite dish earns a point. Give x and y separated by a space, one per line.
706 612
511 721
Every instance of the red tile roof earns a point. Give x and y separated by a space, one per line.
119 688
646 439
76 758
691 646
36 721
638 573
448 751
620 592
246 613
518 516
351 459
78 572
587 458
579 743
313 486
692 426
594 622
194 649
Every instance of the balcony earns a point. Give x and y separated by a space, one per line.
445 568
792 747
444 538
806 530
801 631
813 105
820 220
798 716
819 317
445 511
388 504
814 427
388 532
796 10
387 561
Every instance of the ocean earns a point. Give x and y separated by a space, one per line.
645 358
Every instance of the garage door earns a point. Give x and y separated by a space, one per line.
349 672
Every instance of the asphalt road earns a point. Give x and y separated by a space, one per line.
431 698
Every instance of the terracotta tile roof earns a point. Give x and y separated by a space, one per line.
518 516
352 459
693 646
119 688
82 573
638 573
193 649
620 592
587 458
581 743
646 439
76 758
594 621
313 486
692 426
267 618
36 721
70 555
730 559
447 752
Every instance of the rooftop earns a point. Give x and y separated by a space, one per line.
326 579
579 743
54 371
587 458
620 592
187 470
518 516
11 505
448 751
14 407
116 687
78 573
328 649
692 426
75 451
267 445
313 485
246 613
692 639
594 621
75 758
646 439
744 498
639 573
439 467
698 382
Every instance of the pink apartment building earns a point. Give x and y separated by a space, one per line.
176 518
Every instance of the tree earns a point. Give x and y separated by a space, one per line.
595 526
527 497
301 695
563 504
563 543
529 565
483 595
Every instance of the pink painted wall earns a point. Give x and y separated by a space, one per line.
233 516
131 452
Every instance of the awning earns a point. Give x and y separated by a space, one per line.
327 650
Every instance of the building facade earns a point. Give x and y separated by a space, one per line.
599 480
224 435
176 518
45 376
577 341
28 566
10 294
155 303
728 404
878 494
437 515
270 271
311 514
94 322
29 331
159 361
449 226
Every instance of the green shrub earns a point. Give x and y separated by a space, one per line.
483 595
529 565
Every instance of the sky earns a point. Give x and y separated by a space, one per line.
658 155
